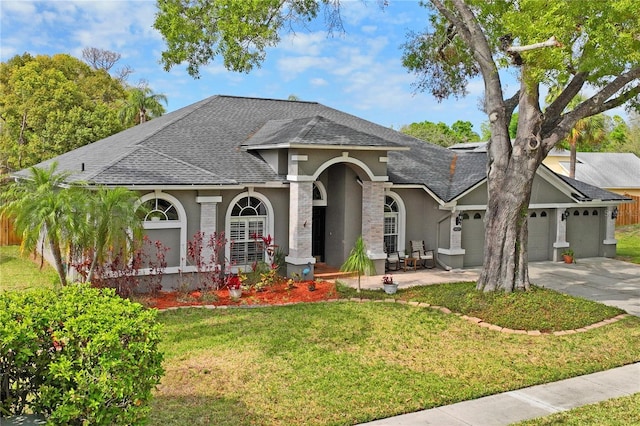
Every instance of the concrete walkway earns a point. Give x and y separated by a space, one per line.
528 403
608 281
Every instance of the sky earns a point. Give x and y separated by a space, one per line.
359 71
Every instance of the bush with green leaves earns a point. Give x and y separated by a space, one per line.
80 355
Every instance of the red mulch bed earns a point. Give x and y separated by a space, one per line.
278 294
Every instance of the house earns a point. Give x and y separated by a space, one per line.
315 178
613 171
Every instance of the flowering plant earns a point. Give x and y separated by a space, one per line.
387 279
234 282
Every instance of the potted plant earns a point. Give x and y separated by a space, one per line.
567 256
234 285
389 286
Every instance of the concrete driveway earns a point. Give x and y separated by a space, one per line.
608 281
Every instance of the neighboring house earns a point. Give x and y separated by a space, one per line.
615 172
315 178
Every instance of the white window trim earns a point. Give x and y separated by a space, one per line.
181 224
402 220
323 194
269 226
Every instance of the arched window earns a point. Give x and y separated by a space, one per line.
165 220
394 222
594 213
249 218
543 214
390 224
477 216
533 214
319 194
585 213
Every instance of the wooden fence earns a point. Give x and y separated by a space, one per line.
8 236
629 213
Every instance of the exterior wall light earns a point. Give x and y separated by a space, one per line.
565 215
614 213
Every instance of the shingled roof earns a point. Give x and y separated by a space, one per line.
213 142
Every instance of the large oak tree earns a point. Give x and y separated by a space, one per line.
573 45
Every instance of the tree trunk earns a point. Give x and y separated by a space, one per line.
572 159
505 265
57 258
511 170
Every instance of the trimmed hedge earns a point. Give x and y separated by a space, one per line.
78 356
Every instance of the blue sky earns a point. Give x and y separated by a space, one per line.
359 72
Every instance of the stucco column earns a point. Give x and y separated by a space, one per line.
561 234
208 221
373 222
610 241
300 218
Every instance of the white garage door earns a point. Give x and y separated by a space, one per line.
539 240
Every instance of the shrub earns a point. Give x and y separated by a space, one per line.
78 356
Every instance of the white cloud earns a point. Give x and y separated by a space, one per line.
304 43
318 82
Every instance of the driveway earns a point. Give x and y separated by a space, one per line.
608 281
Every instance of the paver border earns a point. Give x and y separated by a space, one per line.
442 309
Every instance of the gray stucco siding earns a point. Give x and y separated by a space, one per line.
422 217
544 192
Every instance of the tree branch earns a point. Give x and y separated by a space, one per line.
595 104
511 103
570 91
552 42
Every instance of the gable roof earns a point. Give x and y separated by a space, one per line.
607 169
216 142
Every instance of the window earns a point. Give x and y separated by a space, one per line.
164 219
390 224
158 209
248 223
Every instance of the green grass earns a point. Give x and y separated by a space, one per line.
614 412
539 309
21 273
347 362
628 248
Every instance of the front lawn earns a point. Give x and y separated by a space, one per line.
343 363
18 272
613 412
628 248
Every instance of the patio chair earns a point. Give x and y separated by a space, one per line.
394 259
425 257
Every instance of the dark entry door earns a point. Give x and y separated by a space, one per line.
317 232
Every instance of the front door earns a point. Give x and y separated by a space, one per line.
317 233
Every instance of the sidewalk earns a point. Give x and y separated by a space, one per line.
527 403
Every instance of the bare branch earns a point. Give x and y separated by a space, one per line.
552 42
570 91
596 103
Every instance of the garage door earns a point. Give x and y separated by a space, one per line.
539 239
583 231
473 238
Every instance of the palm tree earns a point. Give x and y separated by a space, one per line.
114 224
142 104
46 210
358 261
586 133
